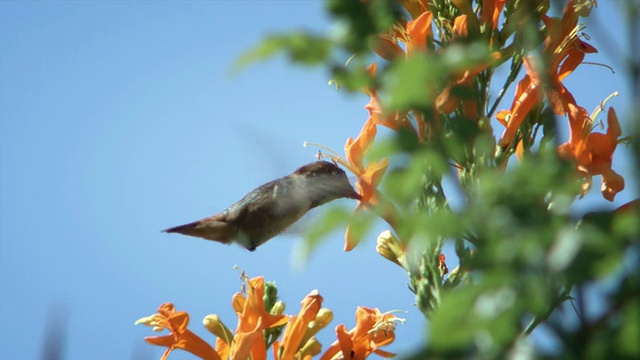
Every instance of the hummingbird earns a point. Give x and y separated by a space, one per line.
271 208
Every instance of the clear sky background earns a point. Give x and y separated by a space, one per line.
120 119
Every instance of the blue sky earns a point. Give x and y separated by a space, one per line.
119 119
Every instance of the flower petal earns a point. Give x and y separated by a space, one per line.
355 149
418 31
297 327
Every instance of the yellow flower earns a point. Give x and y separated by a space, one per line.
180 337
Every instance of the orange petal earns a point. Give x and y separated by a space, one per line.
579 127
613 126
244 342
336 347
501 116
422 125
445 102
566 151
164 340
372 70
222 348
520 150
178 322
384 354
368 182
418 31
612 183
195 345
460 26
365 319
387 48
526 97
491 12
187 341
167 309
275 348
295 331
496 11
601 149
350 240
344 339
570 64
237 302
355 149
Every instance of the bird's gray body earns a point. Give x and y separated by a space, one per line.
271 208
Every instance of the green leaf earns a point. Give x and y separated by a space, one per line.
300 47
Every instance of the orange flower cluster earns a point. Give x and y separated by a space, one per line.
565 51
417 37
373 330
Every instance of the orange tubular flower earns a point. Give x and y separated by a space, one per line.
368 177
593 152
526 97
373 330
295 331
377 115
249 339
180 337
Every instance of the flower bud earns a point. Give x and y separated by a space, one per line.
270 295
216 326
310 348
278 308
391 249
323 318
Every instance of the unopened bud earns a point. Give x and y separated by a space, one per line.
310 348
323 318
390 248
216 326
270 295
278 308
